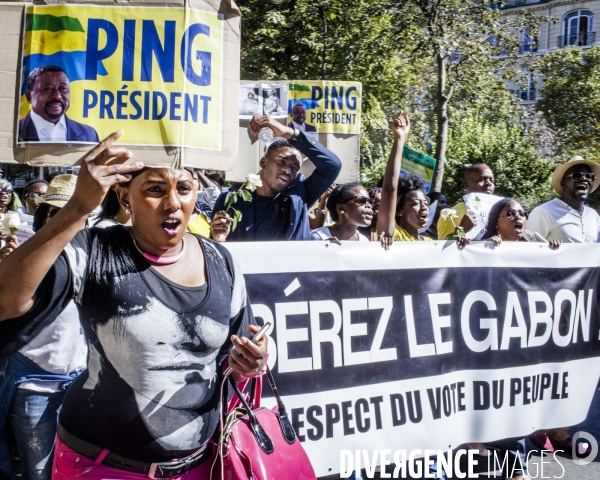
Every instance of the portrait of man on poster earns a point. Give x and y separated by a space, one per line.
49 94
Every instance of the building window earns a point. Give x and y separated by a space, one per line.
528 92
529 42
578 29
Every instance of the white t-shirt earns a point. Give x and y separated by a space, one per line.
323 233
209 196
59 348
50 132
555 220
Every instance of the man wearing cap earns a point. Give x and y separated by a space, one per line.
568 218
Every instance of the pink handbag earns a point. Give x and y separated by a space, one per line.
260 444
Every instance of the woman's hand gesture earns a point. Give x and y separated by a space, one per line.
496 240
102 167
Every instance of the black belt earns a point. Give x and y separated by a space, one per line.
153 470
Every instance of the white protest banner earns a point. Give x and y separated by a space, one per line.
424 346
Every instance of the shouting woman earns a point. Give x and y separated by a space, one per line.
162 310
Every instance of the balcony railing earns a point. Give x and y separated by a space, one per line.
583 39
520 3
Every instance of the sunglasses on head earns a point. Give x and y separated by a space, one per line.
360 199
577 176
514 213
6 190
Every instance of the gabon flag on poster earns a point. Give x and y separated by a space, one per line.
153 71
331 106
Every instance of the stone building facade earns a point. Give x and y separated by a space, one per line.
575 27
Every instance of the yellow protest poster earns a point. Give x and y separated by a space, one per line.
326 106
155 72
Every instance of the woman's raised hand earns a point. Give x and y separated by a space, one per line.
401 126
102 167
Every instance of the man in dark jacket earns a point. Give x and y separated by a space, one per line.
279 208
49 93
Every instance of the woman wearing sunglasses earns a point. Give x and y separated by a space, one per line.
35 188
350 207
508 221
162 311
9 200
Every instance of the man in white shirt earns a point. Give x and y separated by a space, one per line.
298 119
49 93
568 218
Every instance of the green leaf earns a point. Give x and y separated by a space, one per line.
230 199
237 216
246 195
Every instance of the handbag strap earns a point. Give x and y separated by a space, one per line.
254 396
271 380
287 430
263 440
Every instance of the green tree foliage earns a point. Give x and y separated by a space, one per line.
459 45
285 40
570 100
509 144
399 50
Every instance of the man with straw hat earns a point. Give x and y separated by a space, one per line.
568 218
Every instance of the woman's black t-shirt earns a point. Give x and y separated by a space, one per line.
156 349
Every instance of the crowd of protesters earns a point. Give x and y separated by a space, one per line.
78 373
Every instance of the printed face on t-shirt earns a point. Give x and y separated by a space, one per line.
161 356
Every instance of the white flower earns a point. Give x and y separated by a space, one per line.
447 213
10 223
14 221
253 182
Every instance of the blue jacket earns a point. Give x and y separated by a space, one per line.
76 132
302 193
